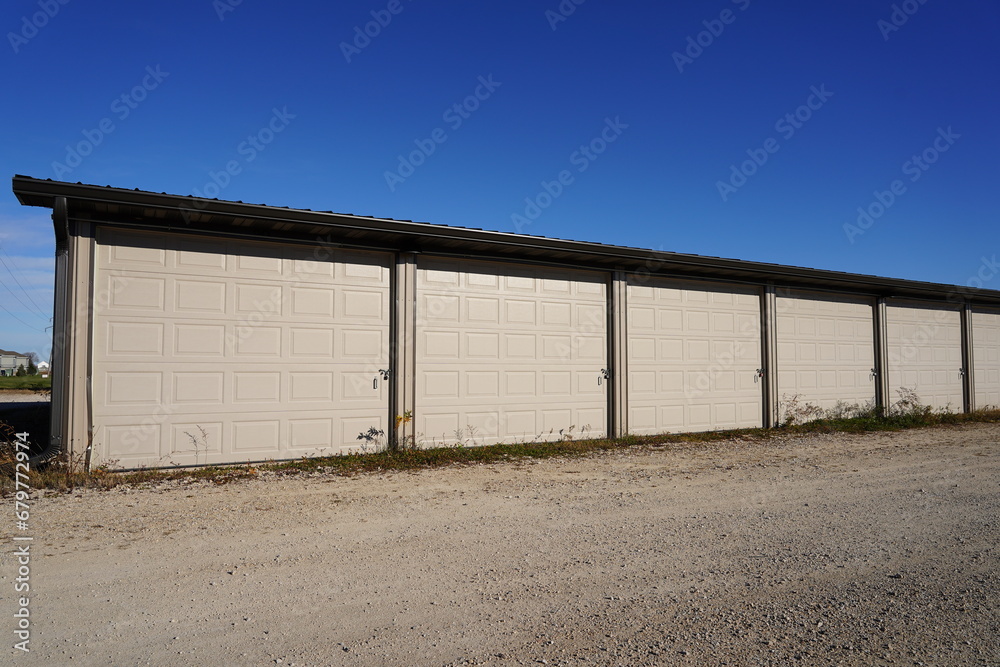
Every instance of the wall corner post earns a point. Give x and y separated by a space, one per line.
71 420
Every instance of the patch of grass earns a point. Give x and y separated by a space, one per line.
893 422
65 475
26 383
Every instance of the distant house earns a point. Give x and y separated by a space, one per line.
10 361
43 369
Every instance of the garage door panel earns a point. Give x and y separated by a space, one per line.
483 424
747 385
925 353
498 342
557 314
130 387
554 420
257 436
826 349
201 440
318 302
137 256
642 419
693 350
641 350
481 384
136 441
438 427
307 434
193 339
312 386
141 339
201 296
198 387
589 422
236 342
806 380
698 350
201 257
700 416
259 342
132 294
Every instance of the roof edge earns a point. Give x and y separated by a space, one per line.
45 192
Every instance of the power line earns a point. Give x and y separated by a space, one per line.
39 315
37 308
13 275
20 320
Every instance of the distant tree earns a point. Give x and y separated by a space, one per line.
32 368
20 371
33 357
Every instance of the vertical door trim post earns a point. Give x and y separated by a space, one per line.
403 349
968 358
618 356
882 398
769 354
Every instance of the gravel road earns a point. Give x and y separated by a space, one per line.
819 550
19 398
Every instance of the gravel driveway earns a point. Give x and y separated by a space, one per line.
819 550
10 399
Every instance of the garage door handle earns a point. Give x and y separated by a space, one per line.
381 372
605 375
961 372
758 374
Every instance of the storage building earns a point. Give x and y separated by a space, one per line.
193 331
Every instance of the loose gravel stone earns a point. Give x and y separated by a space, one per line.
836 549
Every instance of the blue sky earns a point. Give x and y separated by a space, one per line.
734 128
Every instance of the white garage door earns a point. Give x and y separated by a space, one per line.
208 350
508 354
925 354
826 350
693 354
986 339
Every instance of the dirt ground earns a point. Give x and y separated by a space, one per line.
832 549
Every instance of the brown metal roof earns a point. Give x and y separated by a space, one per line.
166 212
